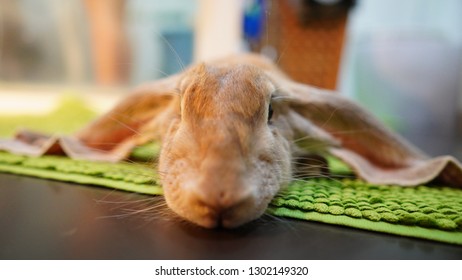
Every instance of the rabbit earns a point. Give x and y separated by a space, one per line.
235 131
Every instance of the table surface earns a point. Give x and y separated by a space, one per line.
44 219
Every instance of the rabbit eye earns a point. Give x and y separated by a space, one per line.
270 112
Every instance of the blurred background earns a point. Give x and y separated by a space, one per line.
399 58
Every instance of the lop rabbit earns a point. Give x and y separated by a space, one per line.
235 131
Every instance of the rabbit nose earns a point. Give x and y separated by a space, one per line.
223 208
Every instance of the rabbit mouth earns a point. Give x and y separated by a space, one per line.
227 212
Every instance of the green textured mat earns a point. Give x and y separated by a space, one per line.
433 213
425 212
122 176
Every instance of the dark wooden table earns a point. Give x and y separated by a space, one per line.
44 219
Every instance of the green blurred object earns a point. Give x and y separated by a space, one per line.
71 114
338 167
146 153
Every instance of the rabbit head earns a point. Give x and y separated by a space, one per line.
223 159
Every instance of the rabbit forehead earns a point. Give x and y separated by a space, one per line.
210 91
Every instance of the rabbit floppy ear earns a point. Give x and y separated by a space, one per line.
374 152
112 136
128 119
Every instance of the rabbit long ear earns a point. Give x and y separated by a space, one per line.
374 152
110 137
128 118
